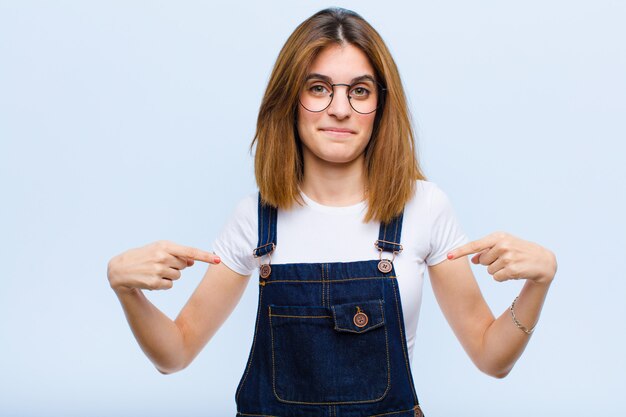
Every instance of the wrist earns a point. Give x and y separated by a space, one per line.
550 271
123 291
542 284
543 281
118 288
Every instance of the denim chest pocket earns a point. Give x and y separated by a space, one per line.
336 355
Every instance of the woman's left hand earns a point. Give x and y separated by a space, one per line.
509 257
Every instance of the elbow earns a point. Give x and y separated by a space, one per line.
168 370
495 372
171 367
499 375
177 358
173 362
493 369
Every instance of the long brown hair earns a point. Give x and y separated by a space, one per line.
390 159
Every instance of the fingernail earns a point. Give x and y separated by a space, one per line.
450 256
217 260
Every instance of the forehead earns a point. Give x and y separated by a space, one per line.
341 63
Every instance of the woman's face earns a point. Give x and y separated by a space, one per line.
338 134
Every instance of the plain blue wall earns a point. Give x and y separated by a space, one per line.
126 122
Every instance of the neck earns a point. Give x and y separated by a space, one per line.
333 184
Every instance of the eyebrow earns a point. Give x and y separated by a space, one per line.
330 81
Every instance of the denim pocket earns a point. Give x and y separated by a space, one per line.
330 355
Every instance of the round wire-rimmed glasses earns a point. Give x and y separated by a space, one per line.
364 94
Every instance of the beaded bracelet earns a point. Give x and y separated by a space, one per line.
517 323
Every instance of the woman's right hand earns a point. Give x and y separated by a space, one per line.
153 267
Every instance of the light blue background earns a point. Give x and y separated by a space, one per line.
126 122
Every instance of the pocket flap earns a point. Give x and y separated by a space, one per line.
358 317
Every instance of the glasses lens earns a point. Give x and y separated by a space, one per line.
363 96
317 95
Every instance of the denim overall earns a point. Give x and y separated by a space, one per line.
329 339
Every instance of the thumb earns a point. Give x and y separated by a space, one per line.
476 258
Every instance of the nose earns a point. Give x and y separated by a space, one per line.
340 106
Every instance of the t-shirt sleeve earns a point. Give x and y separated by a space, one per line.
446 232
237 239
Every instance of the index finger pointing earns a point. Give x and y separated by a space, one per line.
472 247
192 253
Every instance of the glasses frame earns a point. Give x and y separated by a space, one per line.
381 90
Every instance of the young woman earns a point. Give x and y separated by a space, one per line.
341 232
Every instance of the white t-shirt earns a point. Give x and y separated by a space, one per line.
318 233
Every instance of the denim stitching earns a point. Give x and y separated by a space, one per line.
273 357
403 340
395 235
382 323
392 412
269 224
377 325
323 279
254 415
262 220
334 413
380 243
382 311
382 248
329 402
328 286
253 345
301 317
283 281
328 295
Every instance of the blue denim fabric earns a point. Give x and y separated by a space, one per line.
311 355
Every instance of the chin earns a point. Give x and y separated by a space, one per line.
333 151
339 159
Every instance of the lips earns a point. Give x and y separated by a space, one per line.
337 130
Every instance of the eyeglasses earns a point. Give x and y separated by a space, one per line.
364 96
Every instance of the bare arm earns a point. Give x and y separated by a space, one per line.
172 344
494 345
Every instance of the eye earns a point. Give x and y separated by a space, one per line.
360 92
319 89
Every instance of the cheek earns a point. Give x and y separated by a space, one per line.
368 124
304 124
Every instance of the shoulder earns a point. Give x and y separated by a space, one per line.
248 202
235 242
246 208
242 221
429 206
427 194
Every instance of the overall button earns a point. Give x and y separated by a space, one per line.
384 266
360 318
265 271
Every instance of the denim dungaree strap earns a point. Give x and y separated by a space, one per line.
267 229
329 338
389 235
